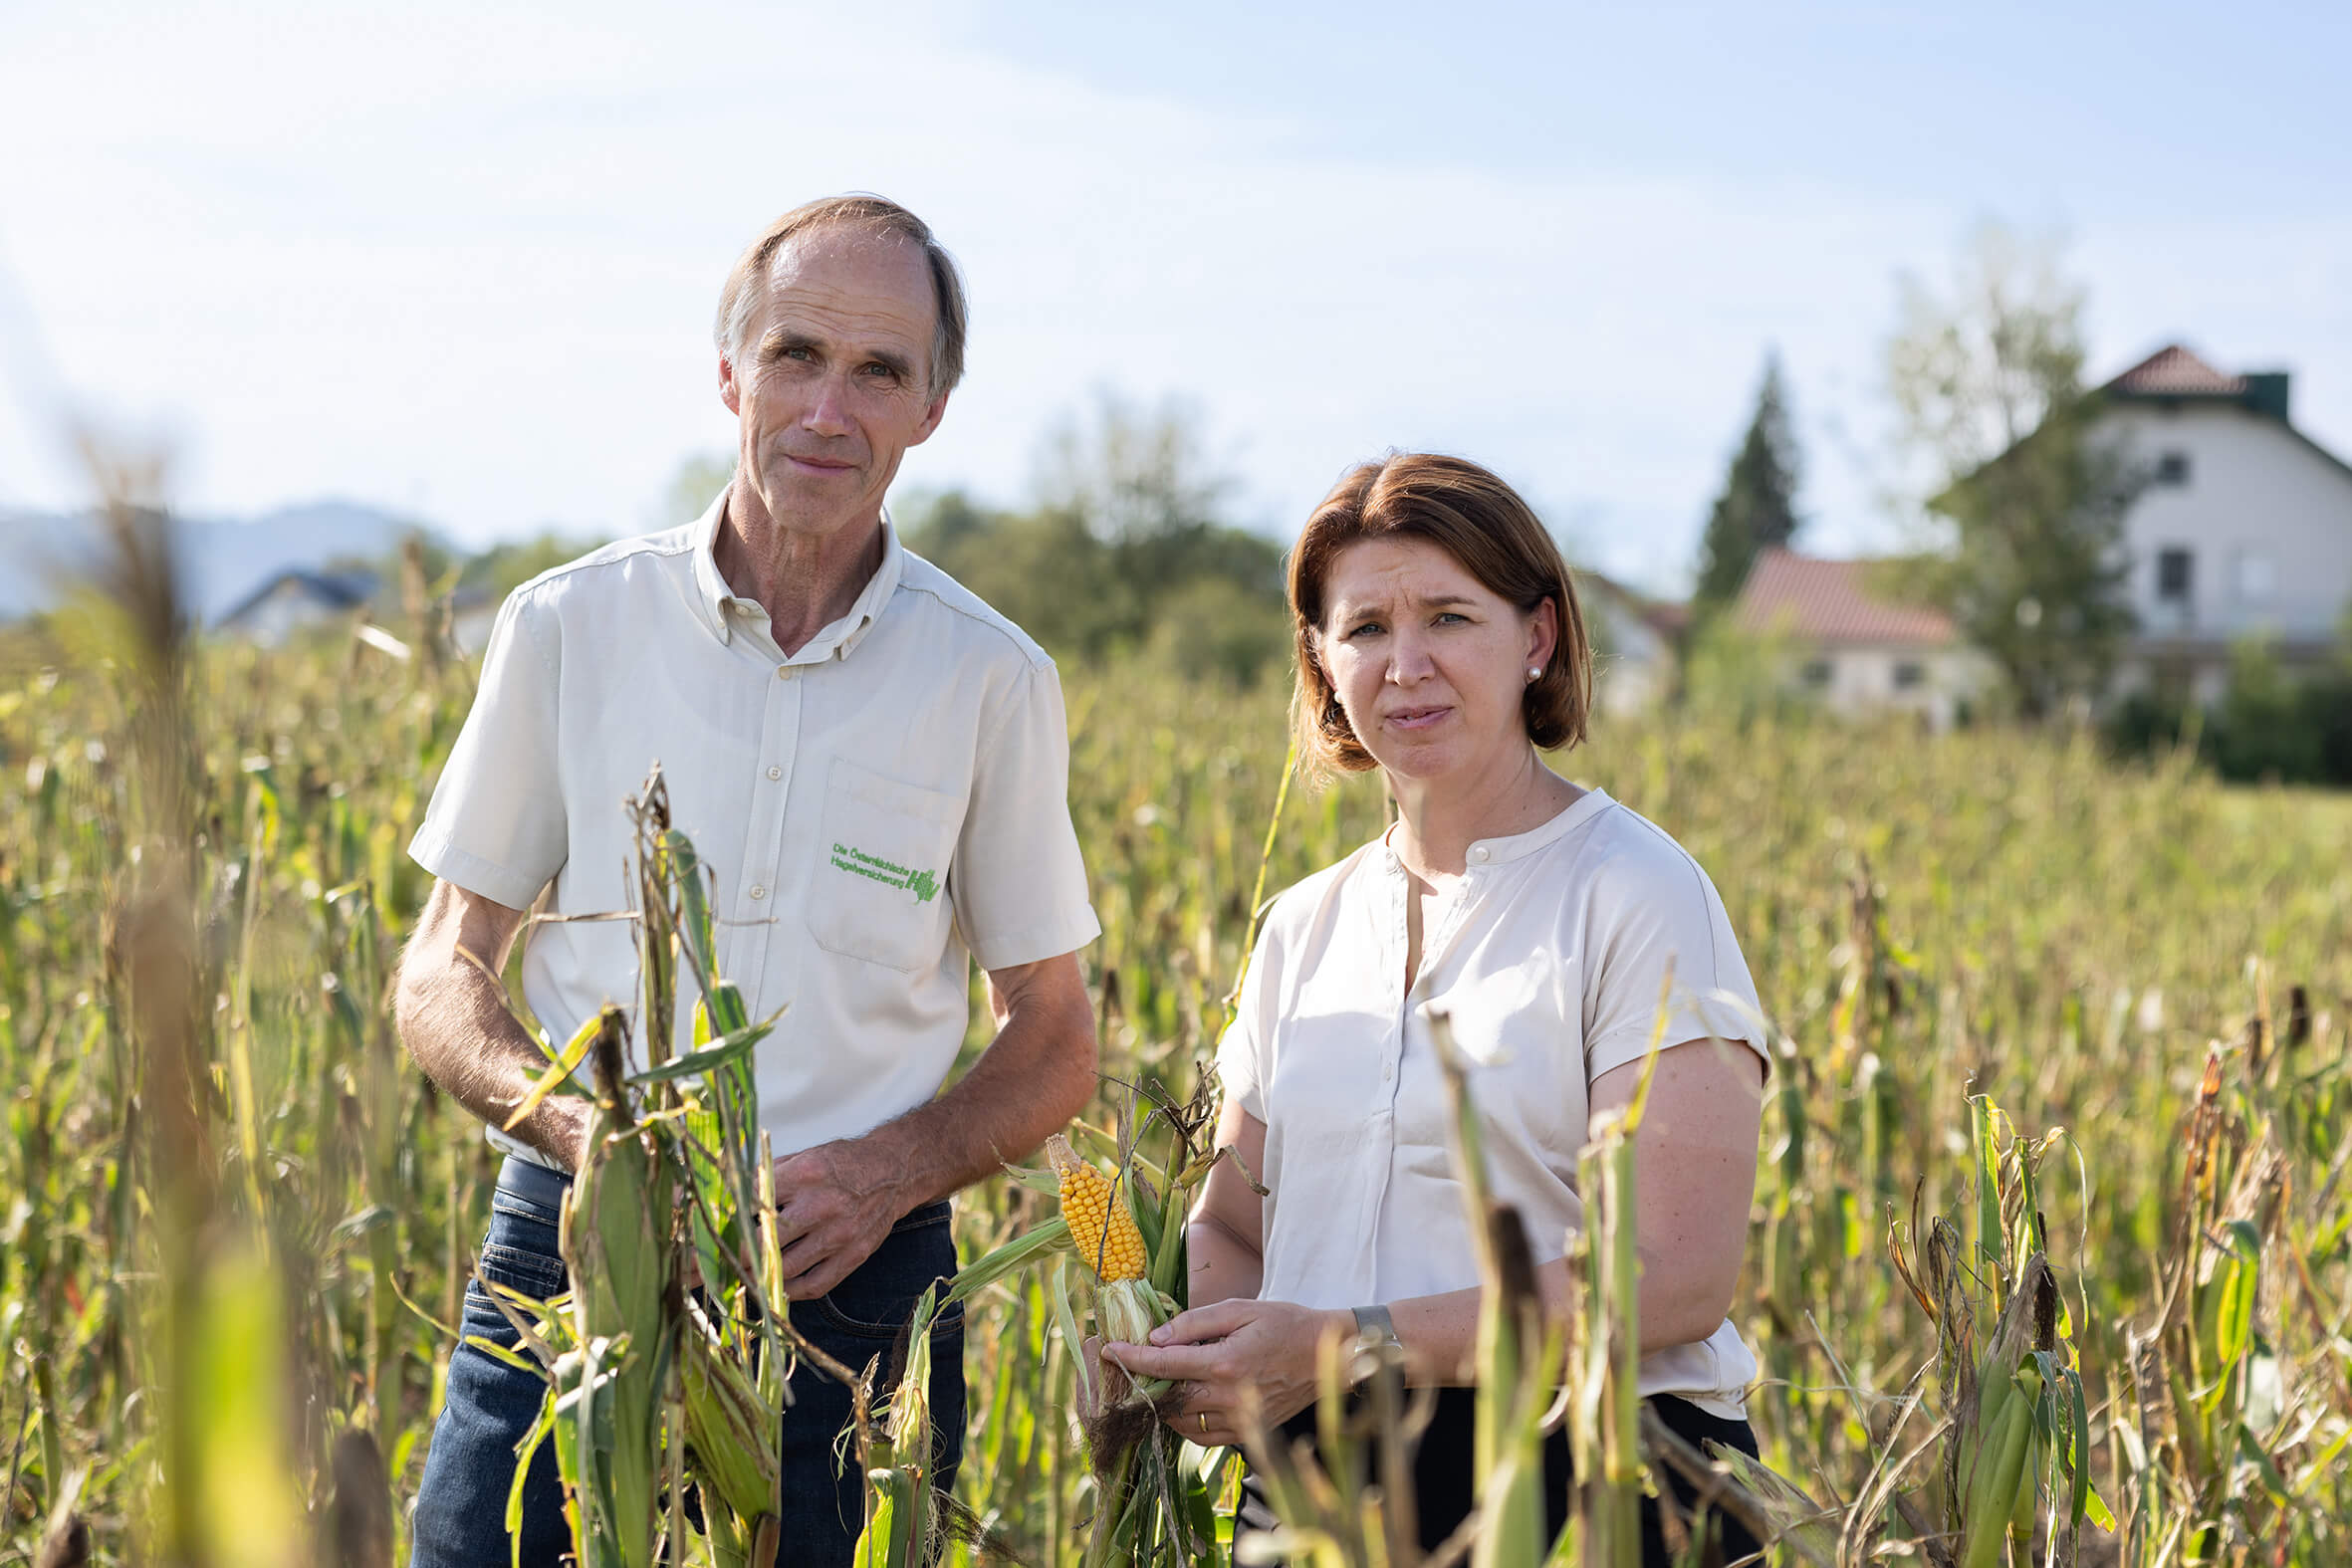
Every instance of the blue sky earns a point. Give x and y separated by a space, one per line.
460 258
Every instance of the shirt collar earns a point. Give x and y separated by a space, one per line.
1583 810
1494 852
720 608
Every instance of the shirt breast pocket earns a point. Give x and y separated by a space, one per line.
881 884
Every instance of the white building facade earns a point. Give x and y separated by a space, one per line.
1633 645
2242 531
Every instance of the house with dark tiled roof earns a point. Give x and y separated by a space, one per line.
295 600
1852 641
2244 527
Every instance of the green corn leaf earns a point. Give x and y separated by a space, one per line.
498 1352
1147 1216
1984 1146
1037 1180
2234 1281
525 1451
1010 1258
2323 1463
1168 1252
558 1078
2078 1449
1065 1320
708 1058
2264 1466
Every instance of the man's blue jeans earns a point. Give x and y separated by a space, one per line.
461 1506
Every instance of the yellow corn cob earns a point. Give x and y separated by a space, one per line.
1100 1229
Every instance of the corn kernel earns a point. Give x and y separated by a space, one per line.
1100 1227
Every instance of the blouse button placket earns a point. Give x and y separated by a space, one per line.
1392 1046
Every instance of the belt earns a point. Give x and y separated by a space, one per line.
534 1183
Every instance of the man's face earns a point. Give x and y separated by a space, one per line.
832 381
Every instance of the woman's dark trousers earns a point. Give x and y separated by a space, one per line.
1442 1494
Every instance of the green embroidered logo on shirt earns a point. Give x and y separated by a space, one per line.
923 884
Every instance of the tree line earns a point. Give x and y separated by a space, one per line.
2017 499
1126 549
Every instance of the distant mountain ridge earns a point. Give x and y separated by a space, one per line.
226 558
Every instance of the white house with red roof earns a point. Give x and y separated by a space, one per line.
2242 531
1856 646
2245 529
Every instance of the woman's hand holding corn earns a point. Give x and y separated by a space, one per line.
1226 1350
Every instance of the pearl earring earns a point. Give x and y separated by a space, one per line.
1536 674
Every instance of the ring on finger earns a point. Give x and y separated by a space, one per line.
1202 1416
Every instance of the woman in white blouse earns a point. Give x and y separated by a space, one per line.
1439 640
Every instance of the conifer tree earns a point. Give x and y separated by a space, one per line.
1758 507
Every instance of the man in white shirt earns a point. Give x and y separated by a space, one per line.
874 766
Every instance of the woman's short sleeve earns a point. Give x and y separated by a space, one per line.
1654 914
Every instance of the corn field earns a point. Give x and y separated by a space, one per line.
2061 1113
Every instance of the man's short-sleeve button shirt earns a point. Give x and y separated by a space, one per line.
878 808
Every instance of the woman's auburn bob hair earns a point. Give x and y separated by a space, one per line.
1482 523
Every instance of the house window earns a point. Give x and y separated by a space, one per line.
2257 577
2171 468
1816 672
1910 674
2175 576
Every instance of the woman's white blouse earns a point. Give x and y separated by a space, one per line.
1548 955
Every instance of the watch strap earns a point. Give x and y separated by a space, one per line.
1373 1322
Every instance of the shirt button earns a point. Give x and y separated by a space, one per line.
776 773
1387 1072
1478 854
783 672
759 892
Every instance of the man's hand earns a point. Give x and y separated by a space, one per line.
835 1204
839 1200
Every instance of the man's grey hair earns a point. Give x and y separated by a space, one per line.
858 212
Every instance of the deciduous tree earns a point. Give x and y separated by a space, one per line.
1127 548
1987 387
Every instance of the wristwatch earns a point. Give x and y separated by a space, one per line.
1373 1323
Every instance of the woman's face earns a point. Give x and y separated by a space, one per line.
1429 663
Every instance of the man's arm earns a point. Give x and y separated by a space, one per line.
452 1015
837 1201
